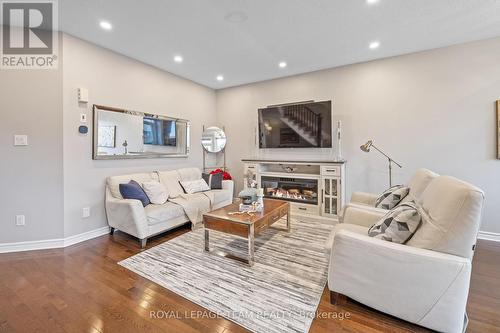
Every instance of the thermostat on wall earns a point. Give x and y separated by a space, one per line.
83 129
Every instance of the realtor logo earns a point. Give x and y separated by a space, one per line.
29 35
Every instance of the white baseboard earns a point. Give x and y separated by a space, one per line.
71 240
52 243
32 245
491 236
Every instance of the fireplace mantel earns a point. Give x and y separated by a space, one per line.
312 187
253 160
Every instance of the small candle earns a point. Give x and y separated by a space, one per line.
260 192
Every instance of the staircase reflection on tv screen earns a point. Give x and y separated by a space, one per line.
304 125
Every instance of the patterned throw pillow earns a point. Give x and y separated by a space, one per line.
194 186
398 225
392 196
214 180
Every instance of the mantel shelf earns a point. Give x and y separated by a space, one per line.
291 175
256 160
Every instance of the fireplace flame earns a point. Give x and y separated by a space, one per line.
281 193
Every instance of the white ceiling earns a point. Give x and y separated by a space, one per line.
308 34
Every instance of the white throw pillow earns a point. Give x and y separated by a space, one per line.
170 179
194 186
156 192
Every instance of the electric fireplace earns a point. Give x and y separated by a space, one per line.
292 189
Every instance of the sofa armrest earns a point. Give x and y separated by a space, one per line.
228 185
364 198
361 215
425 287
126 215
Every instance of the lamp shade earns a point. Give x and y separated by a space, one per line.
366 146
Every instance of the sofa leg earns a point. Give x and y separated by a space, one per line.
111 231
466 322
143 243
337 299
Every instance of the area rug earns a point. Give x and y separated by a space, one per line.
280 293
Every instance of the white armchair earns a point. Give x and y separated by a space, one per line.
425 281
417 184
364 198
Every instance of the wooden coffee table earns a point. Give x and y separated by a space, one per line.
244 225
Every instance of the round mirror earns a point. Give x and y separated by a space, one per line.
213 139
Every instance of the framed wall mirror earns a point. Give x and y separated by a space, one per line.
125 134
213 139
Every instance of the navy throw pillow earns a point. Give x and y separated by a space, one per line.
133 190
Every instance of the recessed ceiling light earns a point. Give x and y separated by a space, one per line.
105 25
374 45
178 59
282 64
220 78
371 2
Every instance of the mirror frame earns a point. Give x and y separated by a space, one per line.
95 156
213 152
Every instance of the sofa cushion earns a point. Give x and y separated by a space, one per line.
156 192
343 226
451 215
189 174
132 190
392 197
418 183
114 182
161 213
398 225
171 181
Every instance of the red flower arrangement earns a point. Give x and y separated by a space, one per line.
225 174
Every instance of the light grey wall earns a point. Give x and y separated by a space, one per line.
432 109
115 80
32 176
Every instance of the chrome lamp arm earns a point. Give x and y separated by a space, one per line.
366 148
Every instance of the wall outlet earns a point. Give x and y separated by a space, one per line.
86 212
20 140
20 220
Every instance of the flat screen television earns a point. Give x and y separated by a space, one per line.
159 132
304 125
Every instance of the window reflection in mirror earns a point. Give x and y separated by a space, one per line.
129 134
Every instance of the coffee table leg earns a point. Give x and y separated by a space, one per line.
207 240
251 243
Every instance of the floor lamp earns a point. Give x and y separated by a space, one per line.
366 148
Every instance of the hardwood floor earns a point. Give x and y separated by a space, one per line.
82 289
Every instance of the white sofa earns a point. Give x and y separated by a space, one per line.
425 281
132 218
